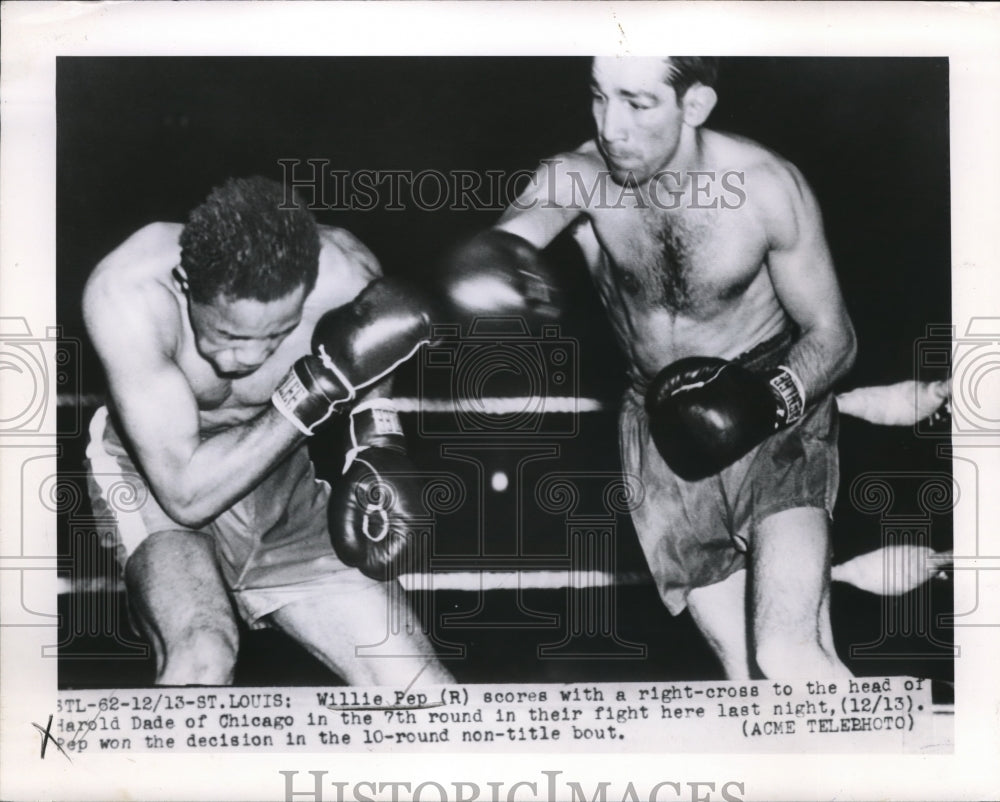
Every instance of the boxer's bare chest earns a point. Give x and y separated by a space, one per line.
223 402
228 402
688 262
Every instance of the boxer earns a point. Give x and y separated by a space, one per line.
227 342
708 252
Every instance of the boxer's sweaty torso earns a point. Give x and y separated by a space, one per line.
270 537
345 267
684 272
695 281
268 542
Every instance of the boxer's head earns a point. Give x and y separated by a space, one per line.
248 261
644 108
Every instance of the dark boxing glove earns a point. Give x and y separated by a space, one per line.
354 346
309 394
496 274
373 507
706 413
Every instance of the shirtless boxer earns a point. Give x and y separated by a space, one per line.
204 331
705 244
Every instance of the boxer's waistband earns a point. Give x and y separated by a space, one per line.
770 353
765 356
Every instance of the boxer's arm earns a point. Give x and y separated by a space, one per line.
802 272
549 203
193 479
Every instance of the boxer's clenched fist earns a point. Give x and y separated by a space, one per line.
373 507
354 347
705 413
495 274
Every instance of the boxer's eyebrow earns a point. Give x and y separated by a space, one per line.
284 332
230 336
647 96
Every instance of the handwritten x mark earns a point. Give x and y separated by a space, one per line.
47 736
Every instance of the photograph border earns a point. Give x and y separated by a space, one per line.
34 34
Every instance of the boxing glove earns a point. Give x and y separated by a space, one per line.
496 274
354 346
373 507
705 413
309 394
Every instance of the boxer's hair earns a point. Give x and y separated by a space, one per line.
686 71
249 240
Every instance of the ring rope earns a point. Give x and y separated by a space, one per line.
443 580
491 405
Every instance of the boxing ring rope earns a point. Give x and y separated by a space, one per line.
864 573
471 581
506 405
452 580
901 404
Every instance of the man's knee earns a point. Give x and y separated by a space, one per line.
397 672
200 655
777 655
170 542
795 655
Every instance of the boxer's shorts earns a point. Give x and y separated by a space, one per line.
272 546
697 533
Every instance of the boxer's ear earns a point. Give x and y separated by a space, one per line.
180 279
698 102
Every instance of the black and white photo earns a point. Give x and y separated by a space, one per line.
443 404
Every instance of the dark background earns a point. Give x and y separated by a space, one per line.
145 139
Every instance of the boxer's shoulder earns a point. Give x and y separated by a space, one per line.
144 260
154 243
586 156
343 253
783 201
775 188
130 288
569 178
726 151
585 161
346 266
